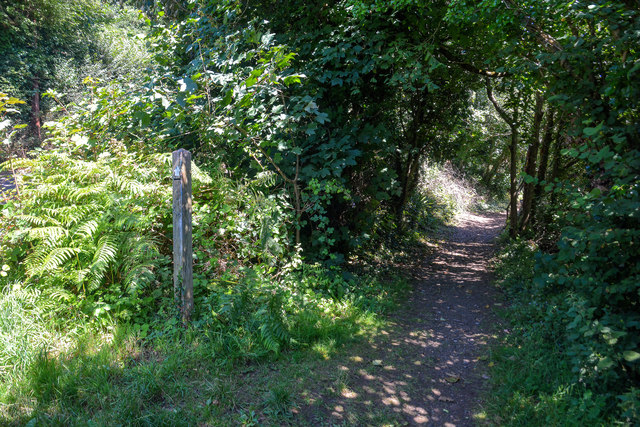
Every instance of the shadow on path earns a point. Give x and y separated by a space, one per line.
427 368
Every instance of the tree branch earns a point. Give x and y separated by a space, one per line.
267 156
497 106
469 67
552 45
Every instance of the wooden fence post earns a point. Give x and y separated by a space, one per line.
182 239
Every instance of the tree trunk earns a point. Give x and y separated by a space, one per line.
530 165
409 170
408 182
513 189
544 161
555 168
487 178
35 109
512 121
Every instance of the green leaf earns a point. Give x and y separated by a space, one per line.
595 193
289 80
322 117
250 81
605 363
635 68
227 98
631 356
592 131
187 85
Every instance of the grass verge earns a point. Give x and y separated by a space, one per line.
208 374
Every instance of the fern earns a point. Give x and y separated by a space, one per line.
86 224
54 259
273 332
104 256
52 233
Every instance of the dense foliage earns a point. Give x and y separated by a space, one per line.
315 127
590 278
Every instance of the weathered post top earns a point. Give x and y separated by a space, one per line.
182 236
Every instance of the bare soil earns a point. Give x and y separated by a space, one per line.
429 366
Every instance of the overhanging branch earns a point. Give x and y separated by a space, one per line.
469 67
505 116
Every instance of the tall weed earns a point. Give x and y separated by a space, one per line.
449 186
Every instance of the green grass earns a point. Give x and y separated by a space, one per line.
109 375
20 328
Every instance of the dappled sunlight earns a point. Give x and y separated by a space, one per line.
432 356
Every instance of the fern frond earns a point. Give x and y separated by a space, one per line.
55 259
87 229
160 159
126 222
137 277
59 294
86 192
18 163
47 196
52 234
74 214
121 183
102 258
199 175
272 331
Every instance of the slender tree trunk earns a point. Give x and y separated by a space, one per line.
35 99
513 185
530 165
512 121
555 168
544 161
35 109
412 179
409 171
408 180
488 176
298 208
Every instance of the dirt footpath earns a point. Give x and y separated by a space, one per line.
7 186
428 367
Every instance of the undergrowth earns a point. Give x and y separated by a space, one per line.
533 380
89 323
117 376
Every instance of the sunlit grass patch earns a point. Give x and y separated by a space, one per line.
171 374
